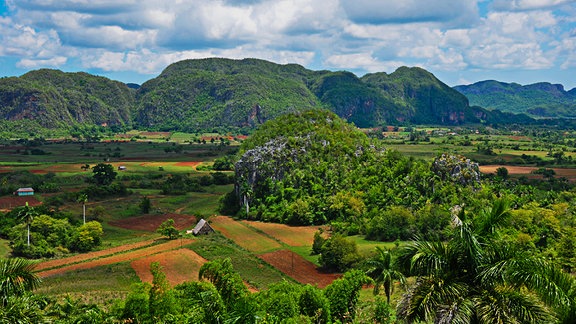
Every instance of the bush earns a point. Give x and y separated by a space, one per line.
338 254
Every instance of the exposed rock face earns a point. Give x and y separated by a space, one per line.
458 169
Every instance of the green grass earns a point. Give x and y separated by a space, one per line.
98 285
253 270
116 236
366 247
4 248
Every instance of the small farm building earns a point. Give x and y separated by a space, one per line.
202 228
24 192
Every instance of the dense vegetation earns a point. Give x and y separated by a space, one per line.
539 99
56 99
223 94
313 168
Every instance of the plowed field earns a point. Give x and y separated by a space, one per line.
150 223
290 235
116 258
298 268
569 174
11 202
243 235
178 265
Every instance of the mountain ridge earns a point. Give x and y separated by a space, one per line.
219 93
541 99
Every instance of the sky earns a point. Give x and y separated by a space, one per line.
459 41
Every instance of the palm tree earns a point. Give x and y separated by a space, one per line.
381 270
27 214
16 277
83 198
474 277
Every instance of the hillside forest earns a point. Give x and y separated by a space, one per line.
329 199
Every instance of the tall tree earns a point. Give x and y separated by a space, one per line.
26 215
382 270
475 277
83 198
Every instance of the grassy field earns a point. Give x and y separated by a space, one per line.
96 285
4 248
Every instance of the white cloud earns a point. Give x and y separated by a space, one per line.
23 41
522 5
145 36
507 56
361 61
38 63
446 12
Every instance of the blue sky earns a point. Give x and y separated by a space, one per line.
460 41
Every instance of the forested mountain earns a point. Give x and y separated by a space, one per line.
207 94
198 94
246 92
540 99
56 99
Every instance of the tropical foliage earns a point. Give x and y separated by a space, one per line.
313 168
478 277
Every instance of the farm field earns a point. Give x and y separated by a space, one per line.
290 235
262 253
243 235
299 269
112 258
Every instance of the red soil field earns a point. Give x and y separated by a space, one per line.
117 258
150 223
179 266
10 202
188 164
569 174
298 268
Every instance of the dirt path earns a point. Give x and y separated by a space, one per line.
117 258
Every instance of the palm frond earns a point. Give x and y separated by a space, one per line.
492 218
16 277
509 305
428 295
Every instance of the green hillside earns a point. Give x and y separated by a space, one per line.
55 99
218 94
539 99
426 99
198 94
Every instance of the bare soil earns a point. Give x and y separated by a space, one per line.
188 164
569 174
11 202
150 223
298 268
